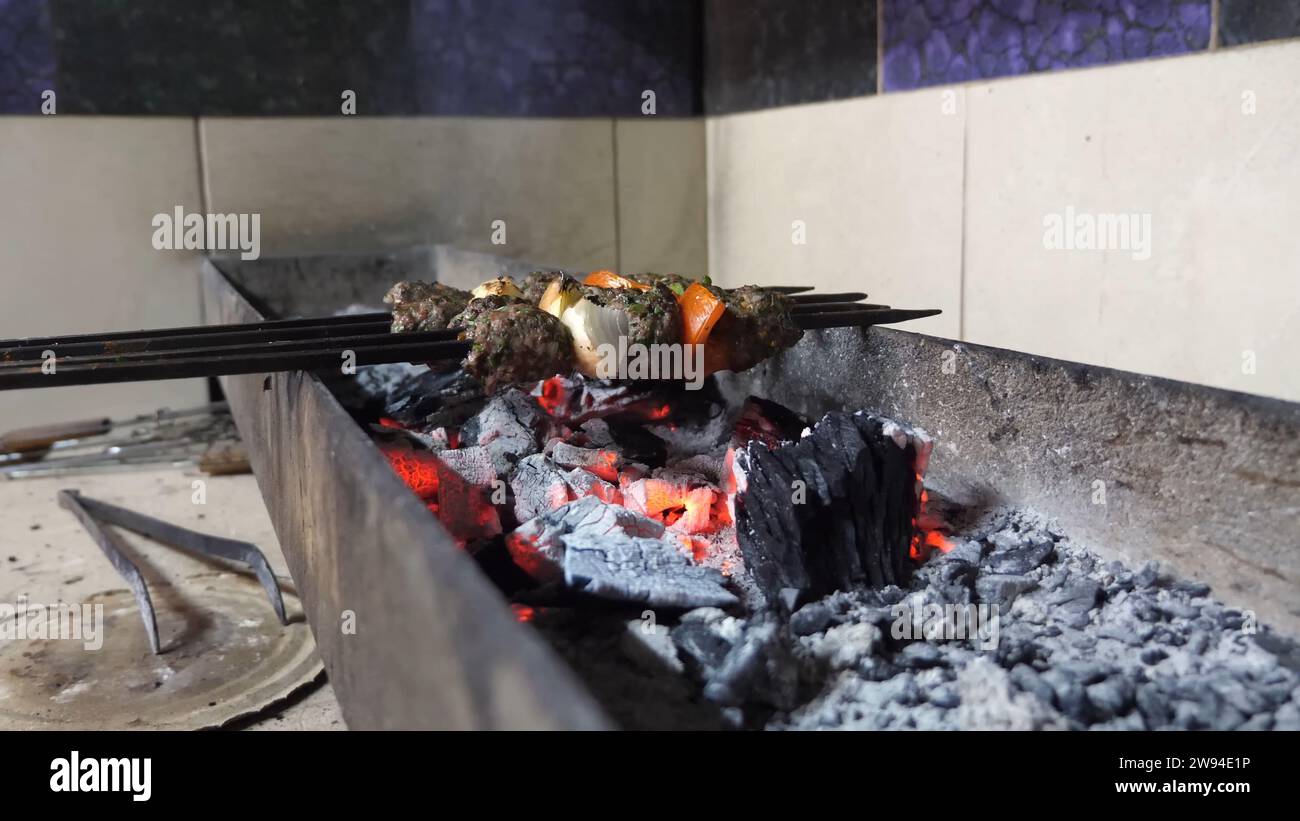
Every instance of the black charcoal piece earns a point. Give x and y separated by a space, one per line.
834 510
1019 560
640 570
1076 598
510 426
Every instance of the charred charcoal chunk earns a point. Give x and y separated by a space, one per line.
1078 598
835 509
1020 560
537 544
424 306
510 426
539 487
640 570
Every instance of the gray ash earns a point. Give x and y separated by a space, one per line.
1078 643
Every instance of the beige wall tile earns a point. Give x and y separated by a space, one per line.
76 256
662 195
340 184
1168 138
877 183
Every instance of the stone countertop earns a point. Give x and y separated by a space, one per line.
46 555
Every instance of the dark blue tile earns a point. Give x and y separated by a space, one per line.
289 57
762 53
557 58
27 60
932 42
1251 21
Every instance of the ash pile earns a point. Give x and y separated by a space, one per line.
702 565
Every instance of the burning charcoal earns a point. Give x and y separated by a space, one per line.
582 483
511 426
638 444
474 465
597 434
419 469
708 467
436 439
537 544
603 463
835 509
574 400
539 487
464 509
677 499
965 550
767 422
639 570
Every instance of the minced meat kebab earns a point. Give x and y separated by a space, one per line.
555 324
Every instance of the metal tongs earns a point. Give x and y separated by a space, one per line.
95 515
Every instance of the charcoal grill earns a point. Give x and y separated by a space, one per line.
414 636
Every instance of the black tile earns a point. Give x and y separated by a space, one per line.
761 53
1250 21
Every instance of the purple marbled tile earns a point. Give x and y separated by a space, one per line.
558 58
931 42
27 59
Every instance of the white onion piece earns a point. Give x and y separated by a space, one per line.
559 296
501 286
591 326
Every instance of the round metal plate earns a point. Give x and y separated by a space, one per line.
225 655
